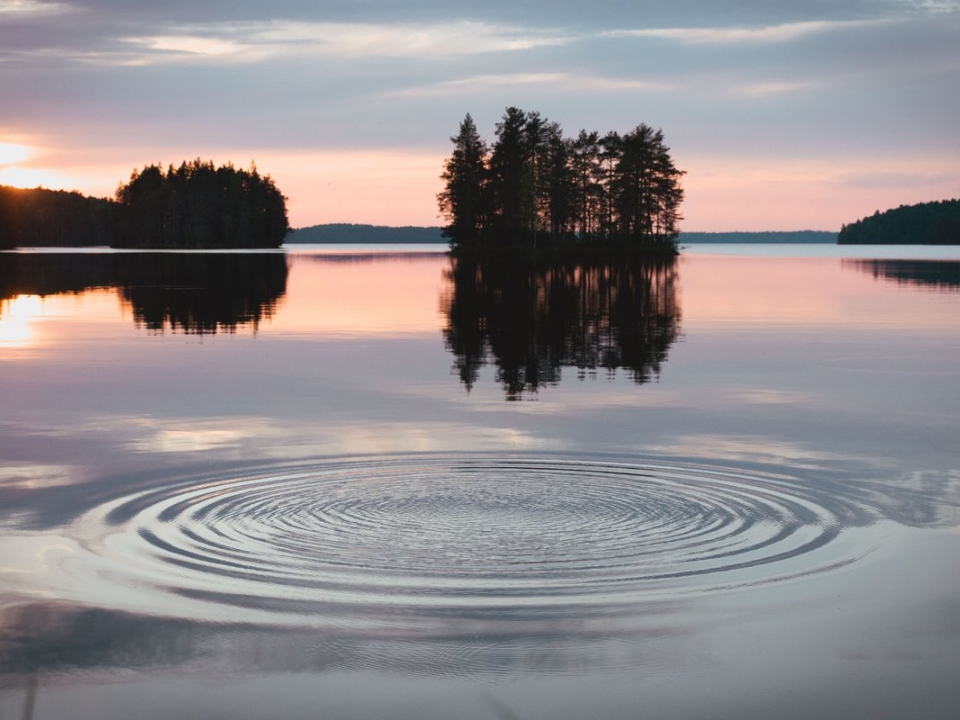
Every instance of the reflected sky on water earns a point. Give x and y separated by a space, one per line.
365 485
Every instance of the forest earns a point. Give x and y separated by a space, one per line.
195 205
932 223
199 206
534 188
53 218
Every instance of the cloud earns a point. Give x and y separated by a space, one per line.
934 6
15 9
256 41
775 87
566 82
189 45
746 35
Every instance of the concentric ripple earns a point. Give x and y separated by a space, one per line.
468 536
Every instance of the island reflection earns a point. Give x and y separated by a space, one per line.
530 321
191 293
930 274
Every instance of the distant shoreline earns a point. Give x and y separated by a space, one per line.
355 234
794 237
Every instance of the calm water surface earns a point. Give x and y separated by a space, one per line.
362 484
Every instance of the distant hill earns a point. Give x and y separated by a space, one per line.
933 223
346 233
343 233
798 236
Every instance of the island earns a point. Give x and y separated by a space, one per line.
534 189
199 206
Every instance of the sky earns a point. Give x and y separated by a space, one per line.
785 115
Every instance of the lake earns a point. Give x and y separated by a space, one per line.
366 482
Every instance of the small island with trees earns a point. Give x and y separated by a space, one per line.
193 206
535 190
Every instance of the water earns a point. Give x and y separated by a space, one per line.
381 484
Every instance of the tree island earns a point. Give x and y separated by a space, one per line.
536 190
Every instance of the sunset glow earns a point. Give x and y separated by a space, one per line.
24 177
788 118
17 316
13 153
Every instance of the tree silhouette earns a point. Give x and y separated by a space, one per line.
53 218
933 223
199 206
537 189
461 202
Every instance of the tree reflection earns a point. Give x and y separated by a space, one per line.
195 293
532 321
939 274
202 294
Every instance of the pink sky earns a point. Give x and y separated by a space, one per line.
399 187
785 116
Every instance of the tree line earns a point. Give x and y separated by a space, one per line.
195 205
536 188
53 218
932 223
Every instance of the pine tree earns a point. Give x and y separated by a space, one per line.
462 201
536 188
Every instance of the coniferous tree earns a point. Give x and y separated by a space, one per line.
463 199
539 189
511 183
586 187
199 206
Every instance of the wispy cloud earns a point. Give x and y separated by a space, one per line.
399 40
775 87
251 42
934 6
746 35
567 82
190 45
14 9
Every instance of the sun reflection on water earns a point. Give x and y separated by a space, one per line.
16 320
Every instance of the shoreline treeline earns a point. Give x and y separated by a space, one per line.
534 188
932 223
195 206
37 217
